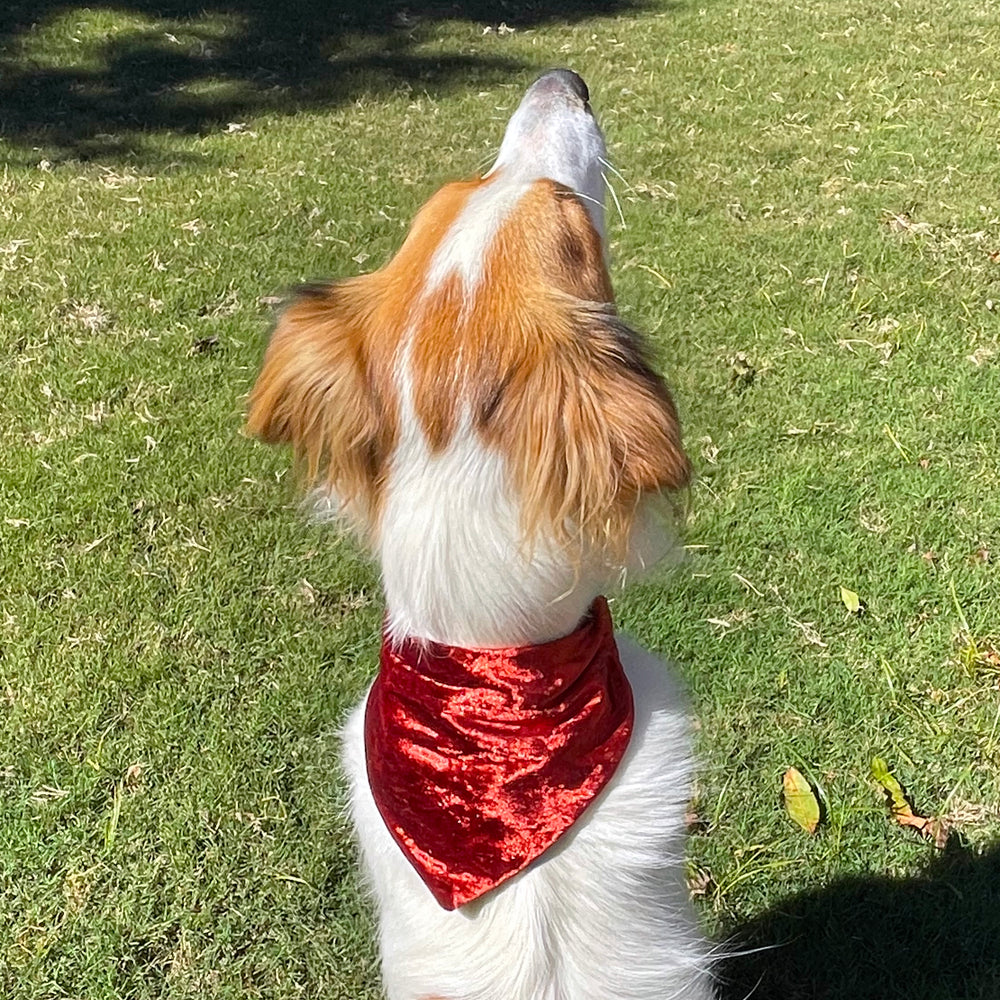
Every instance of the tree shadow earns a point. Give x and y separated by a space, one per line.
932 937
192 66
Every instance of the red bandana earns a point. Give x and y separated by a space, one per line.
480 759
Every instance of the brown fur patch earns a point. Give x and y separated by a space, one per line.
326 385
549 375
588 430
553 378
326 391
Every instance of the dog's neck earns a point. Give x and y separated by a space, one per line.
454 566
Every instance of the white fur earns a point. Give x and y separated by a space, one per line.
558 138
604 913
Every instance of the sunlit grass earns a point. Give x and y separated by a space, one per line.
812 239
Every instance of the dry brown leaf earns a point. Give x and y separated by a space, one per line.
934 828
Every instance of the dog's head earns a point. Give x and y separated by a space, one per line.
491 332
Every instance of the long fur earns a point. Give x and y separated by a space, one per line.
482 417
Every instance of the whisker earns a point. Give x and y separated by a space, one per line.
614 198
725 950
486 160
585 197
615 171
753 989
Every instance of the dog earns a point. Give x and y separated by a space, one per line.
479 414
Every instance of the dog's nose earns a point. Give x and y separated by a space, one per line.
562 80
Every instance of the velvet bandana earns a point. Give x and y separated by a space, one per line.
481 759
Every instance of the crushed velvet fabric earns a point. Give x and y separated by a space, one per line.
481 759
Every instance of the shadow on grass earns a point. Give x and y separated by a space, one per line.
932 937
192 66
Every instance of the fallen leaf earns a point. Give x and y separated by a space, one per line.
934 828
801 803
897 798
851 600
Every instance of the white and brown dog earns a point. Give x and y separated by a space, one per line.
481 416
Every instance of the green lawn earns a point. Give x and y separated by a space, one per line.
812 239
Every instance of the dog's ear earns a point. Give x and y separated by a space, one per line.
323 390
588 430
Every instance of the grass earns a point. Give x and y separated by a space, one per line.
813 243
